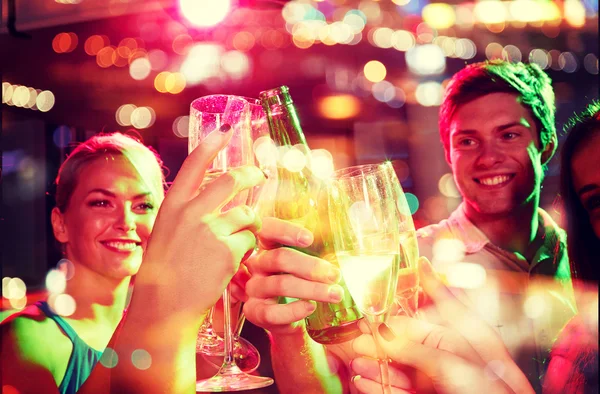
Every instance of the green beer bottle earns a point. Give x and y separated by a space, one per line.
301 198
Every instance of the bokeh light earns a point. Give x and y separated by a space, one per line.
429 94
265 151
140 68
158 59
426 59
141 359
439 15
204 13
568 62
62 136
321 163
413 202
56 281
175 83
105 56
539 57
143 117
343 106
181 126
109 358
466 275
448 250
123 114
590 62
374 71
447 186
294 160
534 306
65 42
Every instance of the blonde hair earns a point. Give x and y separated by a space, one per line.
144 159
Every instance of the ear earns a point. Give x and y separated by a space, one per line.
549 150
58 226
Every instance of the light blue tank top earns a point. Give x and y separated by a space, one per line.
82 360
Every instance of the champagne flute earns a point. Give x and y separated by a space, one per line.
408 273
207 114
364 221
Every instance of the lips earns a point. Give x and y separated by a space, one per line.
498 180
121 245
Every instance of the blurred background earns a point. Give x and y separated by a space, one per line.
367 77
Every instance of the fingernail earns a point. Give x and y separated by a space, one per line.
225 128
336 293
356 378
334 275
386 332
305 238
310 306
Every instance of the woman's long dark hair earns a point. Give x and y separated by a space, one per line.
583 245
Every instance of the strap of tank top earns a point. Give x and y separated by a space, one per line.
64 326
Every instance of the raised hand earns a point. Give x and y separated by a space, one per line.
278 271
460 357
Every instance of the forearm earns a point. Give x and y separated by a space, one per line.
150 352
299 362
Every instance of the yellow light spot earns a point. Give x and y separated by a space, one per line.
15 289
429 94
21 96
574 13
181 126
447 186
343 106
63 304
403 40
18 303
375 71
109 358
294 160
175 83
139 68
490 12
45 101
56 281
141 359
5 282
7 92
159 81
265 151
448 250
123 114
534 306
439 15
321 163
465 275
382 37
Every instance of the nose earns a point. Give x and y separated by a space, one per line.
489 156
125 221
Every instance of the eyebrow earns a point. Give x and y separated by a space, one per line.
113 195
587 188
496 129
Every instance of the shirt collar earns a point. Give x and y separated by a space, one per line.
474 239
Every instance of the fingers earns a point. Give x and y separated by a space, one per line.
223 189
481 336
276 232
240 243
285 285
269 314
369 368
369 386
289 261
189 178
239 218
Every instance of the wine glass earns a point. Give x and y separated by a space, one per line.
364 221
208 114
408 273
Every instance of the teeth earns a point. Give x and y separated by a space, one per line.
128 246
494 180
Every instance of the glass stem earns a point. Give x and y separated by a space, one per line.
229 360
384 371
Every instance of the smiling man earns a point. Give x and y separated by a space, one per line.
497 128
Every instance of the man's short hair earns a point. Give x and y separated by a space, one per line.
528 81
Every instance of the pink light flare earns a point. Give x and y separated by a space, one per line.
204 13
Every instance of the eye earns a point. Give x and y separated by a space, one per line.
592 202
466 142
509 135
145 206
100 203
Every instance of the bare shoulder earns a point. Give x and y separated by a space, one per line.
33 352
